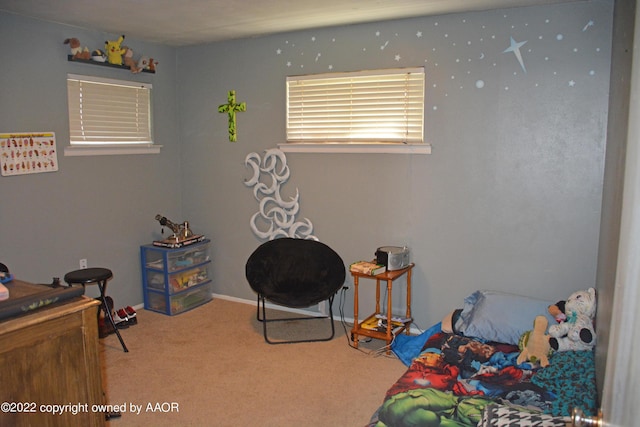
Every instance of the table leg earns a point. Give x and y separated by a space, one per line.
378 296
389 305
408 299
354 333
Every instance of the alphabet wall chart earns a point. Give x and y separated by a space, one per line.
23 153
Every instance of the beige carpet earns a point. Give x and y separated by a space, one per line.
211 367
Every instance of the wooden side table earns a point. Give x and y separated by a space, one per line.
389 277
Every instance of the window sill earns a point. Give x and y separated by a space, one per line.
107 150
356 148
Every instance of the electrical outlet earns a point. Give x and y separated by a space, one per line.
83 263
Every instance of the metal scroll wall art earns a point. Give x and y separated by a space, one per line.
276 217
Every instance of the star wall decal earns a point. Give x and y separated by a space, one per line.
589 24
515 48
468 54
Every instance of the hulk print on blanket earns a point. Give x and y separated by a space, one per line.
454 378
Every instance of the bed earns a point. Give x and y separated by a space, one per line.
463 371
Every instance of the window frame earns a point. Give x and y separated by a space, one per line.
111 148
341 143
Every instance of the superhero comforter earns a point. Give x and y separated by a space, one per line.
461 381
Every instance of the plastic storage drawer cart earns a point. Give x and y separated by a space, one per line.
175 280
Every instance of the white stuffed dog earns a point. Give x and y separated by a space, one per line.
577 332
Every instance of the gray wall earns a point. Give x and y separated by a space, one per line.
100 208
509 199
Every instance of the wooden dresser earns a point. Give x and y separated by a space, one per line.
50 357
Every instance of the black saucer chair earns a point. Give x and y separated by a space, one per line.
295 273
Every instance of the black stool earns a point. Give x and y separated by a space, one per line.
98 276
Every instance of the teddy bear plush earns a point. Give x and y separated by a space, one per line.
577 331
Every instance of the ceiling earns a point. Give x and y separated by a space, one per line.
189 22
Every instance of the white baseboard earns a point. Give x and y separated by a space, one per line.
322 307
272 306
349 320
253 302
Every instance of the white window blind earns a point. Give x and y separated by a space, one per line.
379 106
108 112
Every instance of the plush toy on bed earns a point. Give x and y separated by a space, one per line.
534 345
577 332
557 311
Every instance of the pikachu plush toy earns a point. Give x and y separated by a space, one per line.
115 51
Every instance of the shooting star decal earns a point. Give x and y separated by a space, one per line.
515 48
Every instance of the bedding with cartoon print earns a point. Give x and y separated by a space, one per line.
461 381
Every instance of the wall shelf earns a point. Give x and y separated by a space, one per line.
70 58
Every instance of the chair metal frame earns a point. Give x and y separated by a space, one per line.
264 321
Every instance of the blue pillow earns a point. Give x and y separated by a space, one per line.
499 316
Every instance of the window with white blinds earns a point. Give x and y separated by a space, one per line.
378 106
108 112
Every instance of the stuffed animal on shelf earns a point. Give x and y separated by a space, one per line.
114 50
577 332
534 344
146 63
129 61
77 51
152 64
143 62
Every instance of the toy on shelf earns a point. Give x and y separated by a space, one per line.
143 63
129 61
77 51
114 50
114 55
146 63
98 56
